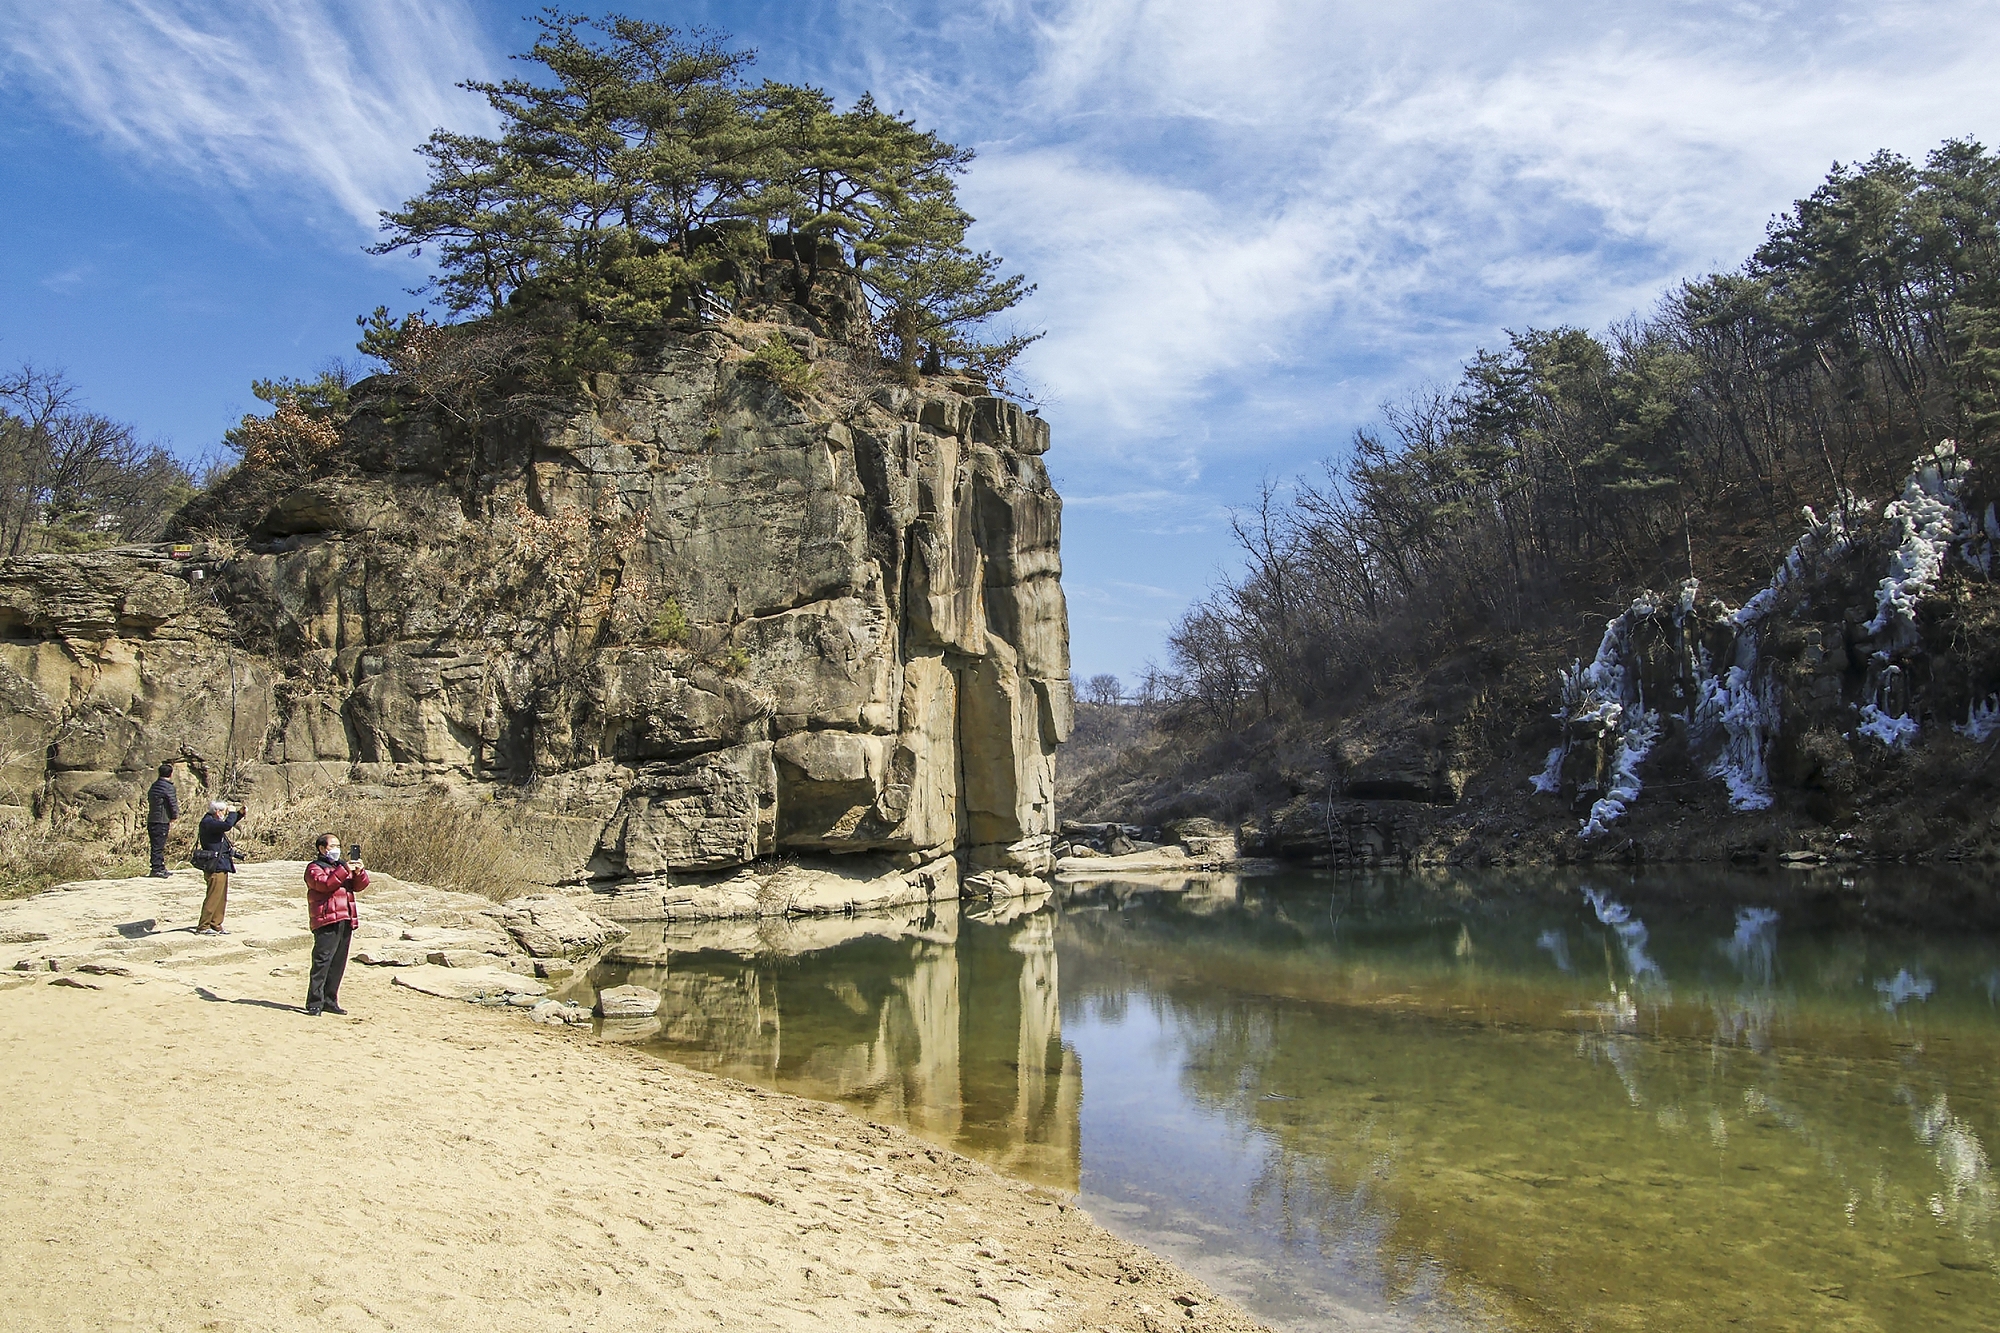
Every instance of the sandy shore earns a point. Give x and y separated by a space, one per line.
185 1149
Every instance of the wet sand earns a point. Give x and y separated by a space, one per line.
187 1149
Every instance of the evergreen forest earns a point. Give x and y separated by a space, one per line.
1568 470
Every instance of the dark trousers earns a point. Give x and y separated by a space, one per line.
329 962
156 839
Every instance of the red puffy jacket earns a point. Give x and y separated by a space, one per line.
330 888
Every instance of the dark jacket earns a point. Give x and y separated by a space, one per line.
330 890
163 803
215 833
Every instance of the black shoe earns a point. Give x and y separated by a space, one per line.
162 874
336 1009
312 1013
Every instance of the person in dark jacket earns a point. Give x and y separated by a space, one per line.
163 807
331 883
214 840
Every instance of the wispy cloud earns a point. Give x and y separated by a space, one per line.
325 96
1254 215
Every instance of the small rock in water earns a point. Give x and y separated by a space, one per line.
628 1002
559 1011
523 1001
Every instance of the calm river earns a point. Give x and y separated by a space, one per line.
1682 1100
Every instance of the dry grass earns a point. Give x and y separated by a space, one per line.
467 845
35 856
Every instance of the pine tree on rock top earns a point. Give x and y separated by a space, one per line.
642 163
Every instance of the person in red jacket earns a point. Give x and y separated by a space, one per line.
331 883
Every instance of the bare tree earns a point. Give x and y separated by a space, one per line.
70 477
1103 689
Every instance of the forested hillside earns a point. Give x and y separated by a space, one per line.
1480 535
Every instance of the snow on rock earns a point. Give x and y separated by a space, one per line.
1734 697
1605 695
1929 519
1894 732
1635 742
1745 707
1821 539
1982 719
1549 780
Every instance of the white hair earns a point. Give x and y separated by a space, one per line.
218 805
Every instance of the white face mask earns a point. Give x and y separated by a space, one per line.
333 852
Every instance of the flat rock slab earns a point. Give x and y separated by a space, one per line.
467 983
1169 859
392 955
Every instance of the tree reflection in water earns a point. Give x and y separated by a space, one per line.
1770 1147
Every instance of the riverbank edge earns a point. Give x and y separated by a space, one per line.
112 944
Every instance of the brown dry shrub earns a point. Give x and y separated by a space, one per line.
449 842
289 441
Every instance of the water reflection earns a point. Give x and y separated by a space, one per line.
946 1024
1390 1101
1710 1143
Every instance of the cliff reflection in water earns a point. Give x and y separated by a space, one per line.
1548 1100
940 1020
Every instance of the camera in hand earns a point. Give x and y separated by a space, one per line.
354 851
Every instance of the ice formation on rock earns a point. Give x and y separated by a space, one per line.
1733 697
1982 719
1928 520
1894 732
1744 706
1606 693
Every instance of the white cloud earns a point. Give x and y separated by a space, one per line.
329 95
1252 216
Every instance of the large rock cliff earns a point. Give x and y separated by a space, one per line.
688 621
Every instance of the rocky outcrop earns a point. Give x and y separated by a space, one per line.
1818 683
690 623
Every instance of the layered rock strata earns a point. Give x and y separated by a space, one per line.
691 623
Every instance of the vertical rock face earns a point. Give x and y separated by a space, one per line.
692 621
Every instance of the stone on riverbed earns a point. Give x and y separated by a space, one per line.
628 1002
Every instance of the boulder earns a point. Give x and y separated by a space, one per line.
628 1002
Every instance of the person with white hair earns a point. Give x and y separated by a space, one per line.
215 856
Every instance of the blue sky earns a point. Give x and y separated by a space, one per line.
1251 222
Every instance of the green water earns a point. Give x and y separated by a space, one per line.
1532 1101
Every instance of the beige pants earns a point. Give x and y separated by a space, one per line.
218 899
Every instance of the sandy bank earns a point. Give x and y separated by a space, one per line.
186 1149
